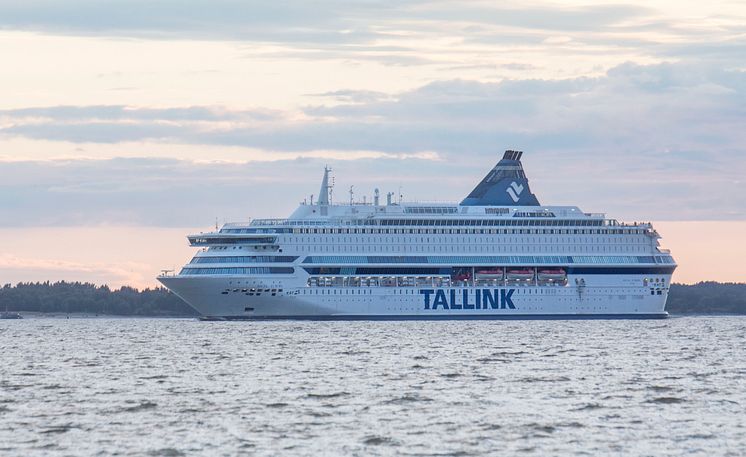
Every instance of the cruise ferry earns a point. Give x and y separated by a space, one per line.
499 254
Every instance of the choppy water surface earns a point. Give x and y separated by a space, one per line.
183 387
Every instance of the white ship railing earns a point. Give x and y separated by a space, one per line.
290 222
370 221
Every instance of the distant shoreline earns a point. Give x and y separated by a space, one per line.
85 300
58 315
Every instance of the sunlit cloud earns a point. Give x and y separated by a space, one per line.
632 109
678 101
122 255
41 269
671 130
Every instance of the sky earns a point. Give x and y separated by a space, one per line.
125 125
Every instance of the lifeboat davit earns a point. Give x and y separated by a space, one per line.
521 275
462 277
552 275
489 274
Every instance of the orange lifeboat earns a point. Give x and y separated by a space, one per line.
494 273
556 274
523 274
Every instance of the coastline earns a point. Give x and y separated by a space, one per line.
64 316
64 300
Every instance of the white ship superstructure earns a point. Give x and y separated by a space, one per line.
498 254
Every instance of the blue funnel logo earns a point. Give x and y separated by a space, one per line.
504 185
514 191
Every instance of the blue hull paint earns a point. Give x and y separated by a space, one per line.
443 317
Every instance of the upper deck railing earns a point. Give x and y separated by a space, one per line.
272 222
370 221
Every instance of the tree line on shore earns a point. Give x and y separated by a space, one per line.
707 298
82 297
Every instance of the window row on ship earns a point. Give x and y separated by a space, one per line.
376 272
453 247
465 240
487 259
305 224
482 259
401 231
476 248
457 248
467 231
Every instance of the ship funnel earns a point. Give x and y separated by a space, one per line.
504 185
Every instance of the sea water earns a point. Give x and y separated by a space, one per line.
170 387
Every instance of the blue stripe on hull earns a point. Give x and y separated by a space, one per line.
444 317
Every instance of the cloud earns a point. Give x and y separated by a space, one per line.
16 269
327 21
174 193
221 19
643 137
542 17
168 193
354 96
129 113
642 108
421 32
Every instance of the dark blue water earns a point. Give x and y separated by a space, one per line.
183 387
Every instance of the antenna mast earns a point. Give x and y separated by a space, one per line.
325 193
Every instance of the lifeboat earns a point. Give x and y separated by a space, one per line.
521 275
496 273
552 275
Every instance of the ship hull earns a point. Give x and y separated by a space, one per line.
237 298
463 317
